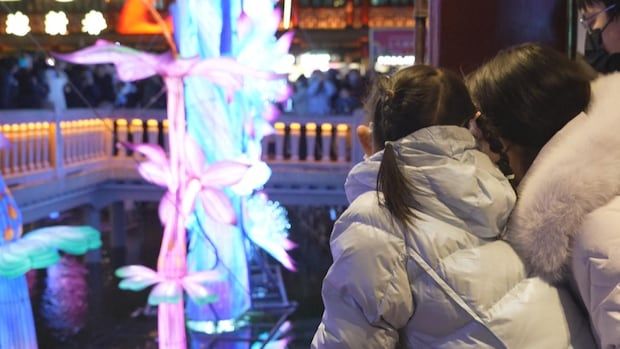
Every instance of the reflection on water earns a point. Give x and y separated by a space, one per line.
80 306
64 303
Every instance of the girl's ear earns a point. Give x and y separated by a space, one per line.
364 134
473 127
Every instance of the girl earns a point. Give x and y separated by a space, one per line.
565 224
417 260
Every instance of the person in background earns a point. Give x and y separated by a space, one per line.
300 95
56 80
559 136
346 103
417 258
601 20
8 83
319 94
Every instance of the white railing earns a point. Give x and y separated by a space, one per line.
48 148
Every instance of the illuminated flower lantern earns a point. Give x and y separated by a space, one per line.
219 108
37 249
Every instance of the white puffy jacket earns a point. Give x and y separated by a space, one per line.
445 281
566 224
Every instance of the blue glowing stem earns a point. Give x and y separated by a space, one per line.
16 321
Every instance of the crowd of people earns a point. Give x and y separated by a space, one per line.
328 93
34 81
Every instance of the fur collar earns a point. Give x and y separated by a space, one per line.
577 172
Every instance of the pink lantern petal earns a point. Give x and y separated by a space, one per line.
271 113
179 67
154 173
276 248
288 244
136 271
166 209
198 293
256 177
130 64
194 156
244 25
284 42
224 173
166 292
189 196
153 152
217 205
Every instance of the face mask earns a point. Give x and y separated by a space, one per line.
597 56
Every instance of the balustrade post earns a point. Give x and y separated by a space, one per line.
14 138
100 136
57 141
23 147
280 134
45 142
265 146
166 135
136 130
326 140
121 136
66 137
108 138
295 138
69 136
342 133
4 152
38 145
81 138
152 131
310 141
31 144
88 144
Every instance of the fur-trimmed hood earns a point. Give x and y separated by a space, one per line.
577 172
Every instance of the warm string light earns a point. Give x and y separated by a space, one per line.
94 23
17 24
56 23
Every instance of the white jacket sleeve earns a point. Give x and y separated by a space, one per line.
596 268
366 292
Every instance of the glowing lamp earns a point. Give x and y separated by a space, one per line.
94 23
17 24
56 23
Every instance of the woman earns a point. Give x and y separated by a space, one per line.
417 260
567 165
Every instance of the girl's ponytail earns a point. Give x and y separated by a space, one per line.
394 186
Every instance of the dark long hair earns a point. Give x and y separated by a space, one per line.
413 98
612 13
527 93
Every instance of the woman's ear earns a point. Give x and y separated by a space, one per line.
364 134
473 127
